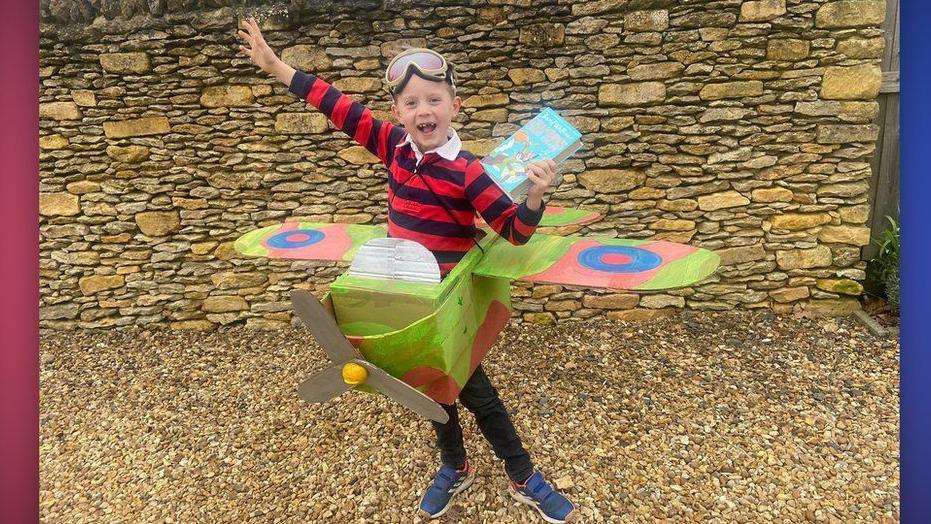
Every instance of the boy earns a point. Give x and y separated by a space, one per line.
434 191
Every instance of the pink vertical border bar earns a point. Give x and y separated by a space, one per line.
19 214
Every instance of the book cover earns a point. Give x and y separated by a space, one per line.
547 135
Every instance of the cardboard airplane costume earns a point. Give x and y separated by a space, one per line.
391 324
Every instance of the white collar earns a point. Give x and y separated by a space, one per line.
450 150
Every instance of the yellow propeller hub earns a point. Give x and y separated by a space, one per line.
354 374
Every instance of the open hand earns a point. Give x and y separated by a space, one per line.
256 49
541 173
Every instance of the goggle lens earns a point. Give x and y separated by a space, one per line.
426 61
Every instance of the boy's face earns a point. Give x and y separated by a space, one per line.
426 109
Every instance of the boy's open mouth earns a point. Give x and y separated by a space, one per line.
426 128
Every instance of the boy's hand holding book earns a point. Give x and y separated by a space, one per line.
541 173
262 55
524 165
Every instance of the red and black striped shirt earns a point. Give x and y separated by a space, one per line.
433 203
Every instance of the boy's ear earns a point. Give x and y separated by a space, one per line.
394 111
457 104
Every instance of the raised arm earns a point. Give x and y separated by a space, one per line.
378 136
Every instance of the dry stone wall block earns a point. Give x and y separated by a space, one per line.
53 142
96 283
611 180
762 10
860 82
135 63
225 304
731 90
543 35
636 94
59 204
845 134
857 236
227 96
851 13
788 49
804 258
128 154
59 111
306 58
741 255
301 123
724 200
155 125
646 21
158 223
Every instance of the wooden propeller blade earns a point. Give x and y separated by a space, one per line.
323 385
402 393
323 327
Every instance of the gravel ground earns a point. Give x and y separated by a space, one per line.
727 417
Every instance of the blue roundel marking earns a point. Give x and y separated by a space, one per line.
282 240
640 259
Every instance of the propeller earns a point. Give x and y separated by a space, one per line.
323 385
349 369
323 327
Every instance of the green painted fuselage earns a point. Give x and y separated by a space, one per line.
432 336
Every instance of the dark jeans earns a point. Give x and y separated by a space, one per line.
481 398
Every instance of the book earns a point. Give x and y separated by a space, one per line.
547 135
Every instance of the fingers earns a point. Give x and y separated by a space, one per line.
545 170
248 38
538 178
256 32
541 174
248 51
533 171
245 25
250 33
550 167
252 27
534 178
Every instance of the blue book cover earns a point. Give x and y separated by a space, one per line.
547 135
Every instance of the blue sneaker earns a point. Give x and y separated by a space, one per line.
446 484
538 494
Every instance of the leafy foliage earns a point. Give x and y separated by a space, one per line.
887 261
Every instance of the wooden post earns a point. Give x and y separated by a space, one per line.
884 185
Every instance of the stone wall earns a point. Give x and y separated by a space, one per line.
744 127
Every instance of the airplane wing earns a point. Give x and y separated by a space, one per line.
599 262
307 240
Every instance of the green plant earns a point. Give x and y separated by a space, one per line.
887 261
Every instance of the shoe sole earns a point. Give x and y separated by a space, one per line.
464 486
528 501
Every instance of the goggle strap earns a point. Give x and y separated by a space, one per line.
448 77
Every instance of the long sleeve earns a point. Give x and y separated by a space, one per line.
354 119
516 223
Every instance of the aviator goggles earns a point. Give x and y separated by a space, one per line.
423 62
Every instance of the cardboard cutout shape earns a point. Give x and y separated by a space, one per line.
418 342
